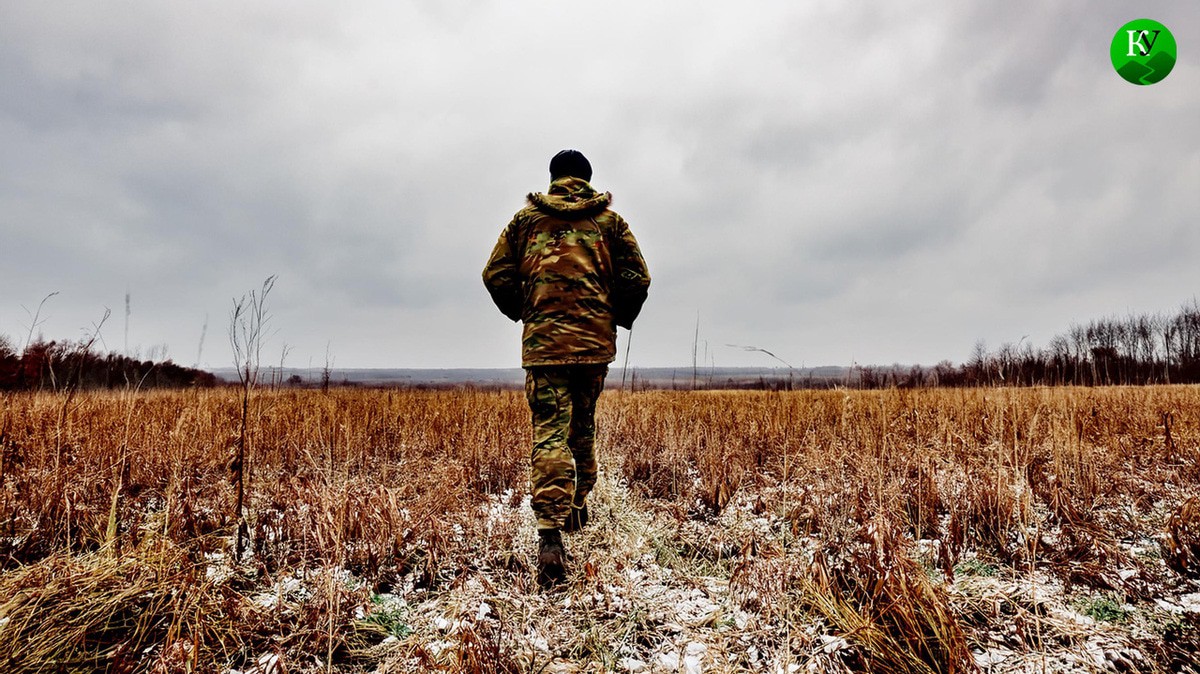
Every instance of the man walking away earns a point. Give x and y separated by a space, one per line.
568 268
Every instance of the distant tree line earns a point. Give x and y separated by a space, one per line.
58 365
1136 349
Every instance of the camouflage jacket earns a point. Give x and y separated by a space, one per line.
569 268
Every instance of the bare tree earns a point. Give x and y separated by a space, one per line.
72 384
277 380
247 330
35 319
327 371
200 348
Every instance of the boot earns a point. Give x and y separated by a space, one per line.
577 520
552 558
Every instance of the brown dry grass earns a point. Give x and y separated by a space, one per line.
834 513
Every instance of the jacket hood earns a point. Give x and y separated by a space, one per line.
570 198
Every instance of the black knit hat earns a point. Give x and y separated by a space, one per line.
570 163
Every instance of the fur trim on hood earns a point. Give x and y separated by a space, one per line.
570 198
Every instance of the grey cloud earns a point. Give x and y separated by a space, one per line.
822 178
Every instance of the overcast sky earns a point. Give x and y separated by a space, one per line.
876 184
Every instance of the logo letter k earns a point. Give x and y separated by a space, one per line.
1135 40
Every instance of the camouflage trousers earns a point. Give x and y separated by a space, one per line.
562 401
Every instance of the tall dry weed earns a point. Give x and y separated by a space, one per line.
872 592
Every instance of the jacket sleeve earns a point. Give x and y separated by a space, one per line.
501 275
632 279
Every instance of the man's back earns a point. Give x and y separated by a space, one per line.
568 267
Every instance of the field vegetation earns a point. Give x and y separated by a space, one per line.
942 530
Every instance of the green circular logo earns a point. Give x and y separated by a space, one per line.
1143 51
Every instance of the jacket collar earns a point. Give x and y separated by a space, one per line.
570 197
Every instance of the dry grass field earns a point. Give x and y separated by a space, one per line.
996 530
